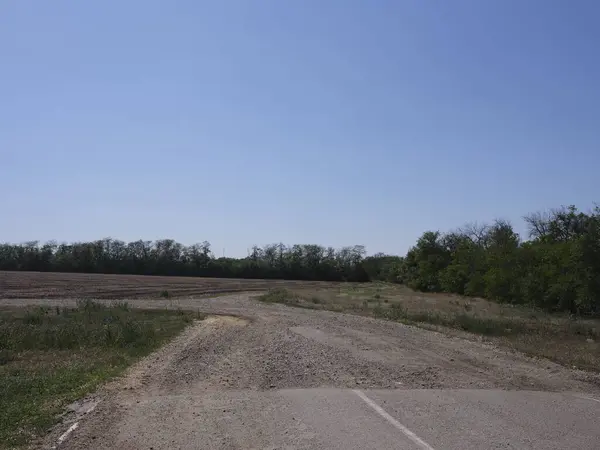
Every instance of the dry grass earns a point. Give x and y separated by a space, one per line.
559 337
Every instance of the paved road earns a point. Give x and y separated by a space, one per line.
352 420
285 378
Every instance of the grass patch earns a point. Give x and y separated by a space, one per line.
50 357
280 295
466 322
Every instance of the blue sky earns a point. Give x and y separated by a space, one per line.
335 122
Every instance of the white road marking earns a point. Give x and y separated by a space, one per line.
66 434
409 434
587 398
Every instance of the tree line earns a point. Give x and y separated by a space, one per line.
167 257
557 268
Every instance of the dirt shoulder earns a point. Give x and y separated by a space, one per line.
285 347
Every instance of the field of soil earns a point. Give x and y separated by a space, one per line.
81 285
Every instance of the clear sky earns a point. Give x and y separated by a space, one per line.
335 122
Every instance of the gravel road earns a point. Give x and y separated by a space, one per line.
266 376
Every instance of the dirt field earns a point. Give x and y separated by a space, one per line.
80 285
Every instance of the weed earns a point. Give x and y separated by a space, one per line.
431 317
51 357
33 318
123 306
581 329
165 294
397 312
487 326
280 295
378 311
6 356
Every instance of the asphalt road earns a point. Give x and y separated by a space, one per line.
349 420
288 378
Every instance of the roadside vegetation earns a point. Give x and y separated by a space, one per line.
50 357
569 340
558 269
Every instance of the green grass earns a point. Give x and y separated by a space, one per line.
280 295
487 326
50 357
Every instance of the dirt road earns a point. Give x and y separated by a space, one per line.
275 377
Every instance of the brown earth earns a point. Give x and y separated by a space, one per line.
81 285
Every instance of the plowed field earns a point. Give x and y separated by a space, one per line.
78 285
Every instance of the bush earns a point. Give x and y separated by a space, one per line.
279 295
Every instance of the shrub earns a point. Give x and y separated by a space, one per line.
279 295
